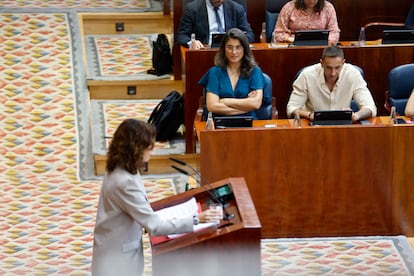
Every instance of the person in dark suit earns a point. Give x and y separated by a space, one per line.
199 18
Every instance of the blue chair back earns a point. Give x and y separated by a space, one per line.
265 111
409 20
272 11
400 85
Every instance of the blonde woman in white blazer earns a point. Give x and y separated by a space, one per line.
123 208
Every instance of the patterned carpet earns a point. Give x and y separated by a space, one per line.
120 57
107 115
47 212
48 193
85 5
338 256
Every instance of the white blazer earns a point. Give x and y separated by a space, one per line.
123 211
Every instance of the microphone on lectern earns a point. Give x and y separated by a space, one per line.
213 195
201 180
179 161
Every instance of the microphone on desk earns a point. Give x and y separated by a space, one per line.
226 215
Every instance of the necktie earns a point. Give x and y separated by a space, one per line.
220 26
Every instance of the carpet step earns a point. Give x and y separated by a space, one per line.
133 23
158 164
154 89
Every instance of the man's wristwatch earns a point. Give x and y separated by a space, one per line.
195 220
310 114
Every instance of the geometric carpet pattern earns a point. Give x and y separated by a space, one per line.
85 5
108 114
47 213
338 256
114 112
48 208
120 57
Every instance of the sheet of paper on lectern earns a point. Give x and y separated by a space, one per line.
188 208
185 209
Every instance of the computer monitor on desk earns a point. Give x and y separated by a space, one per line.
216 39
332 117
398 36
233 121
311 38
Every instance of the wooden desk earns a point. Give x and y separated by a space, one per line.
281 123
352 14
213 251
320 181
282 64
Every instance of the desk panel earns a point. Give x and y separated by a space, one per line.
282 64
403 180
220 250
315 181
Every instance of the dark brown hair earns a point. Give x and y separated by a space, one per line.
247 62
130 140
300 5
332 51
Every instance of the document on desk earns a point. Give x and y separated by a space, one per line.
188 208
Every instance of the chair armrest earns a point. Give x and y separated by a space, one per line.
387 104
384 24
275 112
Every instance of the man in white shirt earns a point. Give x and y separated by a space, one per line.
331 85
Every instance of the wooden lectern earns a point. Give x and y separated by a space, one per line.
231 248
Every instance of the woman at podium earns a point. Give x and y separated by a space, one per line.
124 209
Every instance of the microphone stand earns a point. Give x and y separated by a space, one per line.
226 216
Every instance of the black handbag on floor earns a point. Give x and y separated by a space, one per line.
161 56
168 115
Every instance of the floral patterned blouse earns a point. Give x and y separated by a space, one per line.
291 20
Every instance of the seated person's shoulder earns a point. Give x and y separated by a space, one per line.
236 6
314 68
216 70
310 72
351 69
329 5
257 69
289 6
193 4
212 73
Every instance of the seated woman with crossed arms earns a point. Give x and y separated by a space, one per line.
235 84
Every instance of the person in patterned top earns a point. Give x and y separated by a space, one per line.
298 15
